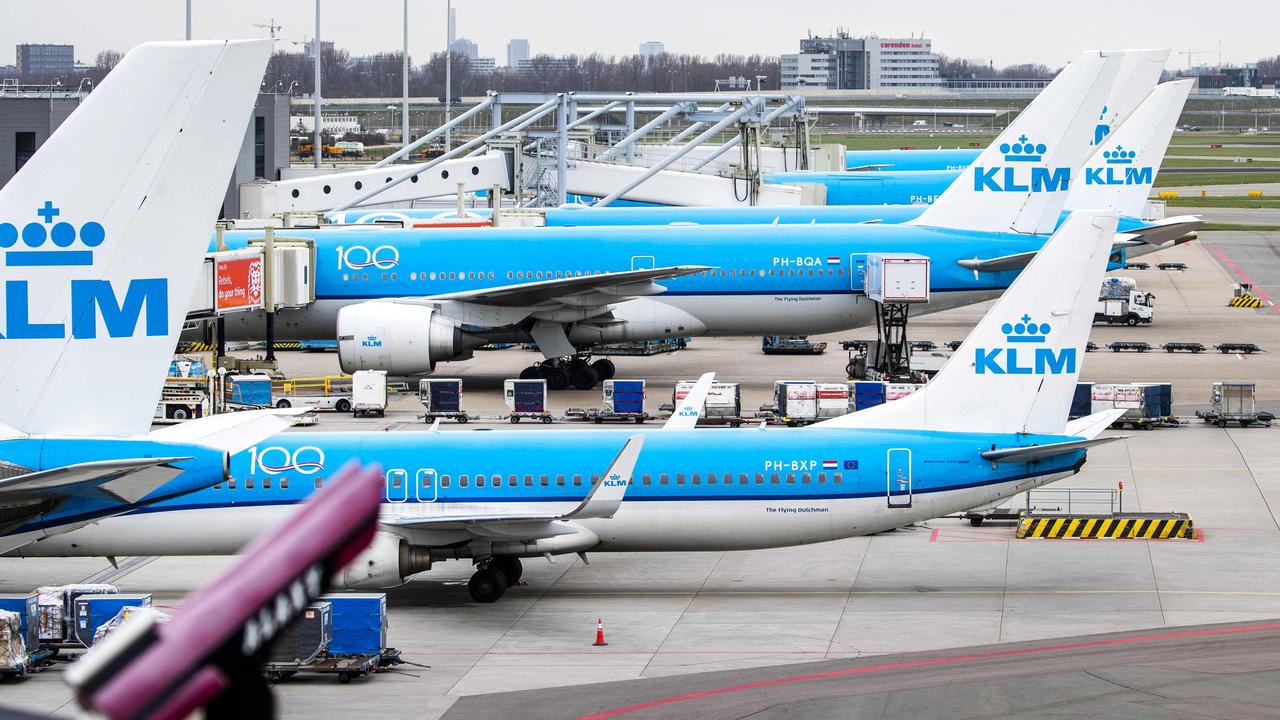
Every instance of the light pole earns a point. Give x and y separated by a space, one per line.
188 19
448 71
404 101
315 48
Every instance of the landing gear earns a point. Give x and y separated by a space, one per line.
604 368
510 568
557 377
582 375
576 372
487 585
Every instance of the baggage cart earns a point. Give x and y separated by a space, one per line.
1242 348
1191 347
526 399
1128 346
442 398
790 345
1234 402
55 611
357 642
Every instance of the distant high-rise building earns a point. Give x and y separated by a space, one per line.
325 46
465 47
40 60
652 48
861 63
517 50
484 65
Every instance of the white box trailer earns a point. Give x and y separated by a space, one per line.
369 392
897 278
724 400
797 400
833 399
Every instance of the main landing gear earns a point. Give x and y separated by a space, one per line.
576 372
493 577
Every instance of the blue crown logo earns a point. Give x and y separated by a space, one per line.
61 234
1025 331
1023 151
1119 156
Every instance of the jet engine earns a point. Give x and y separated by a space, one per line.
399 338
386 563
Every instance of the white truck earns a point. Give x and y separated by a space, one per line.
1120 302
369 392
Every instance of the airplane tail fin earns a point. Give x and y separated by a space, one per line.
1017 370
1122 170
101 233
1021 181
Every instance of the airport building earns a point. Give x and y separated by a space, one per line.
517 50
25 123
652 48
42 60
843 62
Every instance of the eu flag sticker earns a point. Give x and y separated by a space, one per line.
850 464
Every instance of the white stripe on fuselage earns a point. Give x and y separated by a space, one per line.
638 526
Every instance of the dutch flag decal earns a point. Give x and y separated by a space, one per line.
830 464
833 260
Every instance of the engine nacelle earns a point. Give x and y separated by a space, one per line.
384 564
399 338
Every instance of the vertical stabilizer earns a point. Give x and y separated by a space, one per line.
1017 370
102 231
1021 182
1122 170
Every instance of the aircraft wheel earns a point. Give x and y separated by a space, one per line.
604 368
533 372
976 521
557 378
510 567
583 376
342 406
487 585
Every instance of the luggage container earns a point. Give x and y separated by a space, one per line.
1146 405
369 393
1234 402
796 400
867 393
833 399
897 278
304 639
251 390
13 646
359 623
723 403
93 611
442 397
526 399
897 391
55 610
624 396
26 606
1082 400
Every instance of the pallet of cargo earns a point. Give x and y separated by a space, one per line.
599 416
791 345
644 347
1191 347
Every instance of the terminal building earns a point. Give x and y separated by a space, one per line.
844 62
45 60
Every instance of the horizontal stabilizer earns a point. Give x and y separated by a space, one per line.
1090 425
1166 230
127 480
1016 261
230 432
1032 453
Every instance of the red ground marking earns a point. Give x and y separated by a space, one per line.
933 536
1243 277
920 663
1199 535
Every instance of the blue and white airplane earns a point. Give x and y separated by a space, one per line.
93 299
919 159
404 300
991 424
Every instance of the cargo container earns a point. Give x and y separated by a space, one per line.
93 611
359 623
867 393
442 398
55 610
724 400
833 399
13 646
796 400
897 278
254 390
369 393
1082 400
1234 402
624 396
1146 405
526 399
304 639
26 605
897 391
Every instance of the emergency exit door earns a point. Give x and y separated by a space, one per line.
899 478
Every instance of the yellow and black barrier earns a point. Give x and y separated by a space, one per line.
1245 301
1131 526
194 347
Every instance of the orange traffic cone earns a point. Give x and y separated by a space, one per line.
599 634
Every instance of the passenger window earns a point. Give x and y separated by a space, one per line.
822 478
490 275
511 480
453 276
248 483
662 479
231 484
509 274
539 274
319 482
679 478
711 478
759 478
837 478
520 274
645 479
773 478
743 479
695 479
528 480
479 480
559 480
595 480
541 481
396 480
284 483
266 483
462 481
791 478
444 481
471 276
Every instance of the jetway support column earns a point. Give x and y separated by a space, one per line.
562 149
631 128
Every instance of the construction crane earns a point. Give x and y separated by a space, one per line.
1191 55
271 26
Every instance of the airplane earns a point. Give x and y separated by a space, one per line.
403 300
906 160
991 424
92 306
1146 134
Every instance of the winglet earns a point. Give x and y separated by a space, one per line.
605 498
689 408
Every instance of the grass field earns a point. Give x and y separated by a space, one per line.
1172 180
1227 201
890 141
1176 162
1230 227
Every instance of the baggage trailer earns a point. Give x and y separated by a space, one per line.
356 644
442 397
790 345
1191 347
1234 402
1242 348
623 402
1146 405
526 399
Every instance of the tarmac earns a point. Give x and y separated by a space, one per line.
857 603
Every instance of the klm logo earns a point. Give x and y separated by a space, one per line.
371 341
614 480
49 244
1016 176
1119 170
1021 360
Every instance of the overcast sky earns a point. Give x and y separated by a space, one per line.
1042 31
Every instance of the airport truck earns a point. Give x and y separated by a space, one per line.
1120 302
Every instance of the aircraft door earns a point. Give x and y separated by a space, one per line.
857 271
643 262
427 485
397 485
899 477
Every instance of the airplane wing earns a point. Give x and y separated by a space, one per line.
603 501
1153 236
1031 453
1159 232
27 494
582 291
230 432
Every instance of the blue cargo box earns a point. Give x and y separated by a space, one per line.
251 390
26 605
446 395
1082 401
94 611
867 394
628 396
359 623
